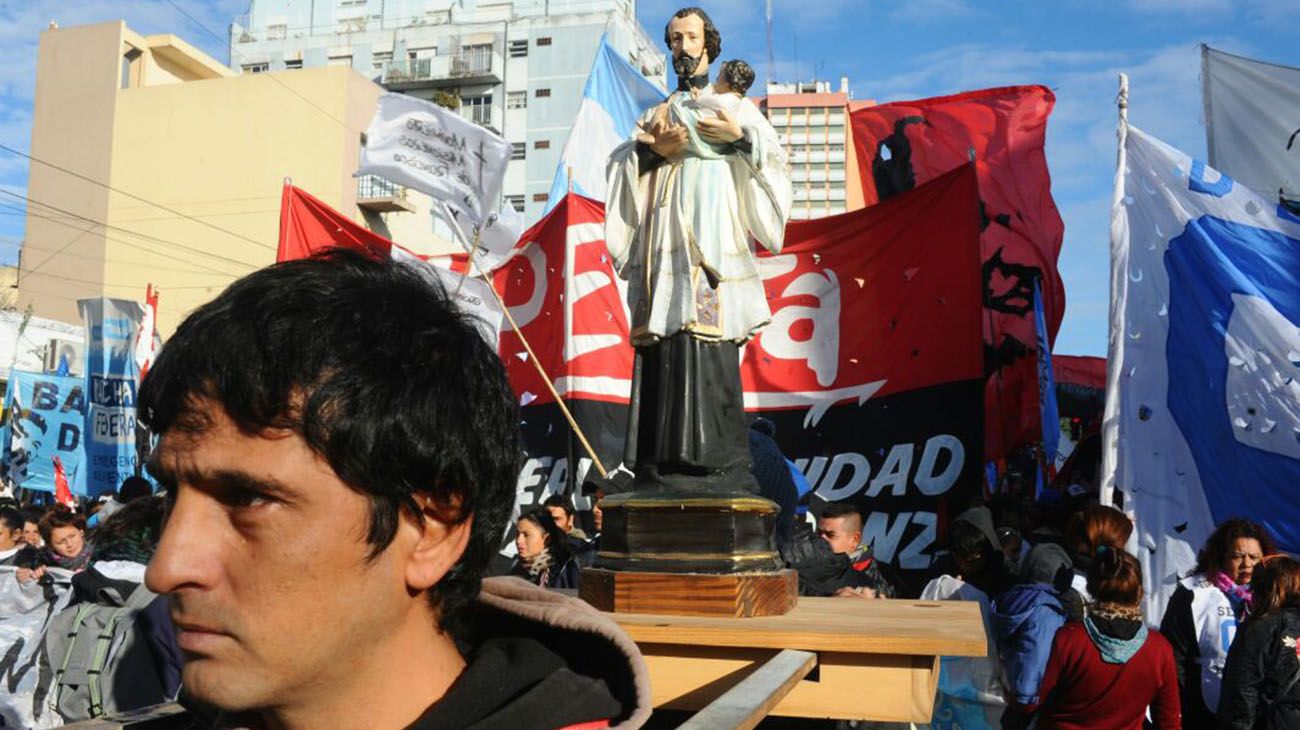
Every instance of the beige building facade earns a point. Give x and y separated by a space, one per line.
173 167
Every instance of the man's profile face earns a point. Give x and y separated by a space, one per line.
562 519
686 37
843 533
264 561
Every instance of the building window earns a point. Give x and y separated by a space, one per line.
516 202
354 24
518 49
380 60
544 41
340 61
517 150
542 144
516 99
477 109
277 31
541 197
542 93
473 60
256 68
293 64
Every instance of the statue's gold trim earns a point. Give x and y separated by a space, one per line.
687 557
640 501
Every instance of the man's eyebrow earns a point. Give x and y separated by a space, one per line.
221 478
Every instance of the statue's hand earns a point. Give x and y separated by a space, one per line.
669 139
723 130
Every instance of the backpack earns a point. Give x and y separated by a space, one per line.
94 661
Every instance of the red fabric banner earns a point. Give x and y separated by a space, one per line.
902 144
308 225
1089 372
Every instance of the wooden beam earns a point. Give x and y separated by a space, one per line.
745 705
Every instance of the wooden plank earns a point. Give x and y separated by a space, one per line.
729 595
880 687
745 705
933 628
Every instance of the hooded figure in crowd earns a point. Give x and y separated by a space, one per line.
1027 616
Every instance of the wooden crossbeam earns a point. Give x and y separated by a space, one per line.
745 705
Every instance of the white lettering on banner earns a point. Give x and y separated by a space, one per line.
848 472
822 350
525 313
883 532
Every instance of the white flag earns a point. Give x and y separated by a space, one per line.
472 295
1252 122
1203 383
490 244
420 145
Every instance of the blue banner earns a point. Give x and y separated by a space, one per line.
46 418
111 375
1050 414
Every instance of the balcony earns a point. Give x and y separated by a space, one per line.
378 195
473 66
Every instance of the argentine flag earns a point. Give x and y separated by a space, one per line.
1203 383
615 96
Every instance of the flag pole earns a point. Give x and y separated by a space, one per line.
1110 419
559 401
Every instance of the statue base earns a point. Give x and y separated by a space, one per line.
689 553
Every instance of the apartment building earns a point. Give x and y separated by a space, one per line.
812 120
516 66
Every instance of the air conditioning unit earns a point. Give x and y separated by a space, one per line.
73 350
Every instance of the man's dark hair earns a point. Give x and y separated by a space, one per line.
559 500
12 519
134 487
841 509
712 38
376 369
739 76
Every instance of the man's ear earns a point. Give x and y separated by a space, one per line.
439 546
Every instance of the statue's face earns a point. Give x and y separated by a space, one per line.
686 38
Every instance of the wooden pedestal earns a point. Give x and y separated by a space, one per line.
734 595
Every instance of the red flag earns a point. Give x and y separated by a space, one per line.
146 343
902 144
1089 372
62 492
308 225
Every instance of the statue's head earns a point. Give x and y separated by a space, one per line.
693 39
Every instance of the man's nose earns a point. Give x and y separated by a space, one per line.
186 556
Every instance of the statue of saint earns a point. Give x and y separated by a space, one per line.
703 176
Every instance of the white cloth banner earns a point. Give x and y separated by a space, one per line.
471 294
490 244
1252 122
420 145
1203 383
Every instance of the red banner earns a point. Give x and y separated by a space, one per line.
308 225
902 144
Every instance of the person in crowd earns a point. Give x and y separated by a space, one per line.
1205 613
132 488
32 528
1089 529
1261 680
1025 619
545 554
1105 672
772 473
339 448
63 533
562 513
11 535
971 691
141 664
840 526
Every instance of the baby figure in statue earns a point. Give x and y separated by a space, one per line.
733 81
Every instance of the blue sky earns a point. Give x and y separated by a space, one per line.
890 51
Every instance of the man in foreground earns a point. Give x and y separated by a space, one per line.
339 449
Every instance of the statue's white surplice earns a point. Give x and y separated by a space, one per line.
687 224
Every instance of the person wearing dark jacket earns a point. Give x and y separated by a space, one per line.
1026 617
1207 610
772 473
1261 680
546 556
340 448
1106 671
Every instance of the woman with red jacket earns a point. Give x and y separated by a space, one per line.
1105 671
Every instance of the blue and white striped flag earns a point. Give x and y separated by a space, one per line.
615 96
1203 385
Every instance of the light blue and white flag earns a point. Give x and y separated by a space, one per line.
615 96
1203 386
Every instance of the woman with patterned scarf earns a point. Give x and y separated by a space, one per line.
1206 611
544 557
1107 670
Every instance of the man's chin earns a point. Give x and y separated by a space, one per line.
219 687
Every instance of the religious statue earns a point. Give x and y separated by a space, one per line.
703 175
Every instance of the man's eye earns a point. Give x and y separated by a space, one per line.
245 498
